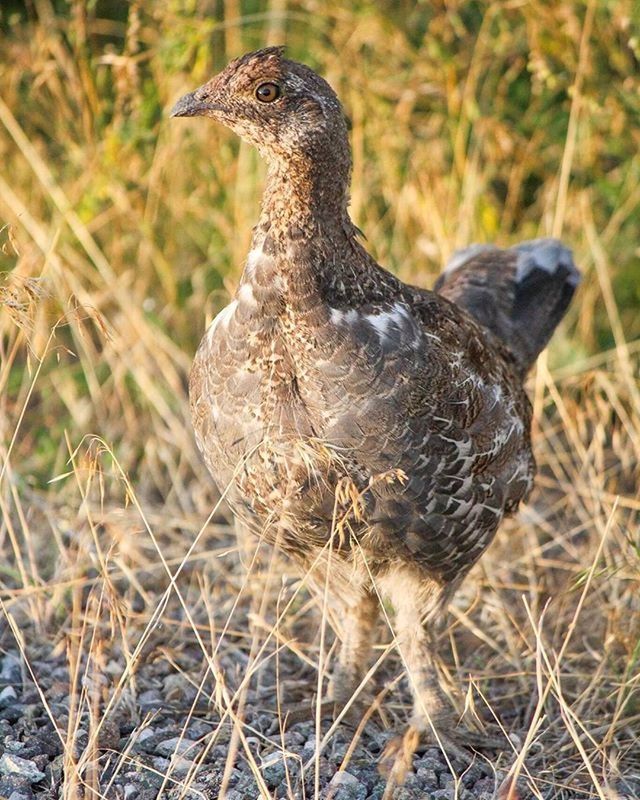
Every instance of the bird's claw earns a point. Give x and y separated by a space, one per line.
461 744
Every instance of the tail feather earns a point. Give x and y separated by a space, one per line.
520 294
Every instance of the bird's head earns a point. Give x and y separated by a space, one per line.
281 107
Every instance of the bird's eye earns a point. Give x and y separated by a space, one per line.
268 92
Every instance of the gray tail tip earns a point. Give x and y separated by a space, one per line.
548 255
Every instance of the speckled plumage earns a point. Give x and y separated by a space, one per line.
349 417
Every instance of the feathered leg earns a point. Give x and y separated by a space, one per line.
358 621
420 605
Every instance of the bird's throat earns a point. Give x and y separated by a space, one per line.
304 199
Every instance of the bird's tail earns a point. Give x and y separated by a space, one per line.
519 294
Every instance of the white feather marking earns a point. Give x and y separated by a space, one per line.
246 296
339 317
222 319
398 318
253 258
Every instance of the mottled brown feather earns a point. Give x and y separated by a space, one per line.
327 372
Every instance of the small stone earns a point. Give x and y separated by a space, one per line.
446 781
54 770
22 767
199 729
180 766
443 794
144 733
13 783
14 747
292 738
345 779
431 762
8 696
427 777
176 745
109 734
151 700
40 760
13 713
21 794
49 743
273 769
11 670
161 765
177 688
347 787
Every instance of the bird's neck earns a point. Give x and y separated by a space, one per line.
304 254
306 197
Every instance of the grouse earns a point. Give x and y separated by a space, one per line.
377 432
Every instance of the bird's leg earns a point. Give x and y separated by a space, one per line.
419 610
358 621
419 605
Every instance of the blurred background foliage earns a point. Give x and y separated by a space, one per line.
123 230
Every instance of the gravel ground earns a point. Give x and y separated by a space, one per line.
159 728
167 745
158 744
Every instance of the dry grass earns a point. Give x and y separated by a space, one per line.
120 231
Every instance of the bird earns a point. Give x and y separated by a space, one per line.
376 432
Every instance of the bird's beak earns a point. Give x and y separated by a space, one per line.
187 106
194 105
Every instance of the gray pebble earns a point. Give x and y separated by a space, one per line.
151 700
23 767
54 770
432 762
14 783
49 743
427 776
443 794
8 696
175 745
13 713
345 779
161 764
199 729
273 769
14 747
445 781
11 670
348 787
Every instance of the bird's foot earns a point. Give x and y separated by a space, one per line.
397 757
457 743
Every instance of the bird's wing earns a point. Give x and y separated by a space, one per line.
415 386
